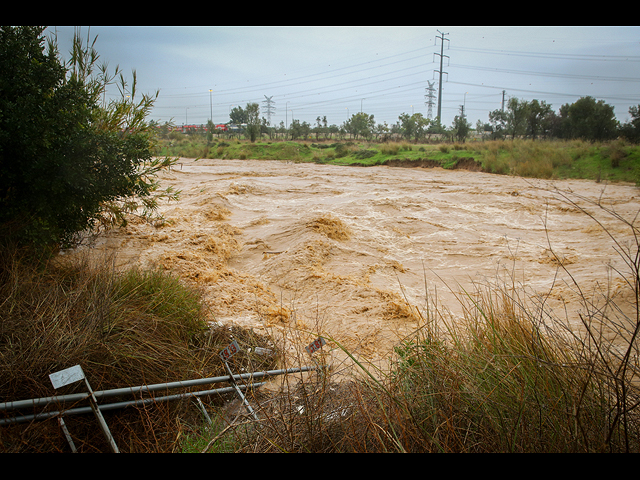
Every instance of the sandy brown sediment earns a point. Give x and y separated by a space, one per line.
352 253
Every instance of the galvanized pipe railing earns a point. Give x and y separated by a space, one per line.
146 388
117 405
36 402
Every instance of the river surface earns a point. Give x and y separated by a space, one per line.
356 254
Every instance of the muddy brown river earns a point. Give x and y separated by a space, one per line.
351 253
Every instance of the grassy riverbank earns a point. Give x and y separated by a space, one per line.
612 161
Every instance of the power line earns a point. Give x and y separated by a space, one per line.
548 74
538 92
340 87
312 77
558 56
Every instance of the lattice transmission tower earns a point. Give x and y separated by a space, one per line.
269 108
430 96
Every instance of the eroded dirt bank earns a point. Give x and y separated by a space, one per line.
337 250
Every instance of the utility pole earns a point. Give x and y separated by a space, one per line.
442 39
210 106
463 106
503 92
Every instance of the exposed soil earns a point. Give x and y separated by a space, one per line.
464 163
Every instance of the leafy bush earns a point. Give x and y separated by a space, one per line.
67 161
616 152
362 154
341 151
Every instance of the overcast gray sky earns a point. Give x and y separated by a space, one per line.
384 71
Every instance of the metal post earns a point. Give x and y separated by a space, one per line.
204 410
226 353
63 426
103 423
73 375
239 392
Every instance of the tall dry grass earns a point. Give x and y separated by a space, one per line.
525 158
124 328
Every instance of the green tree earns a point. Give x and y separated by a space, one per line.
435 128
333 130
318 129
461 127
211 127
517 111
422 125
588 119
266 128
69 160
253 121
498 124
305 130
537 116
381 130
321 127
299 130
407 125
481 128
415 126
360 124
239 116
295 129
631 130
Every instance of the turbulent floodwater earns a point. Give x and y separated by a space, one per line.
346 251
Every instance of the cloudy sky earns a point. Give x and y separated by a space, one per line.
203 72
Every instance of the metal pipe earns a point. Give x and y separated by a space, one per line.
145 388
117 405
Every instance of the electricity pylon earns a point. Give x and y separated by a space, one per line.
430 96
269 108
442 39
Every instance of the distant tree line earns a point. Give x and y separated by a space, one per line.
587 119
